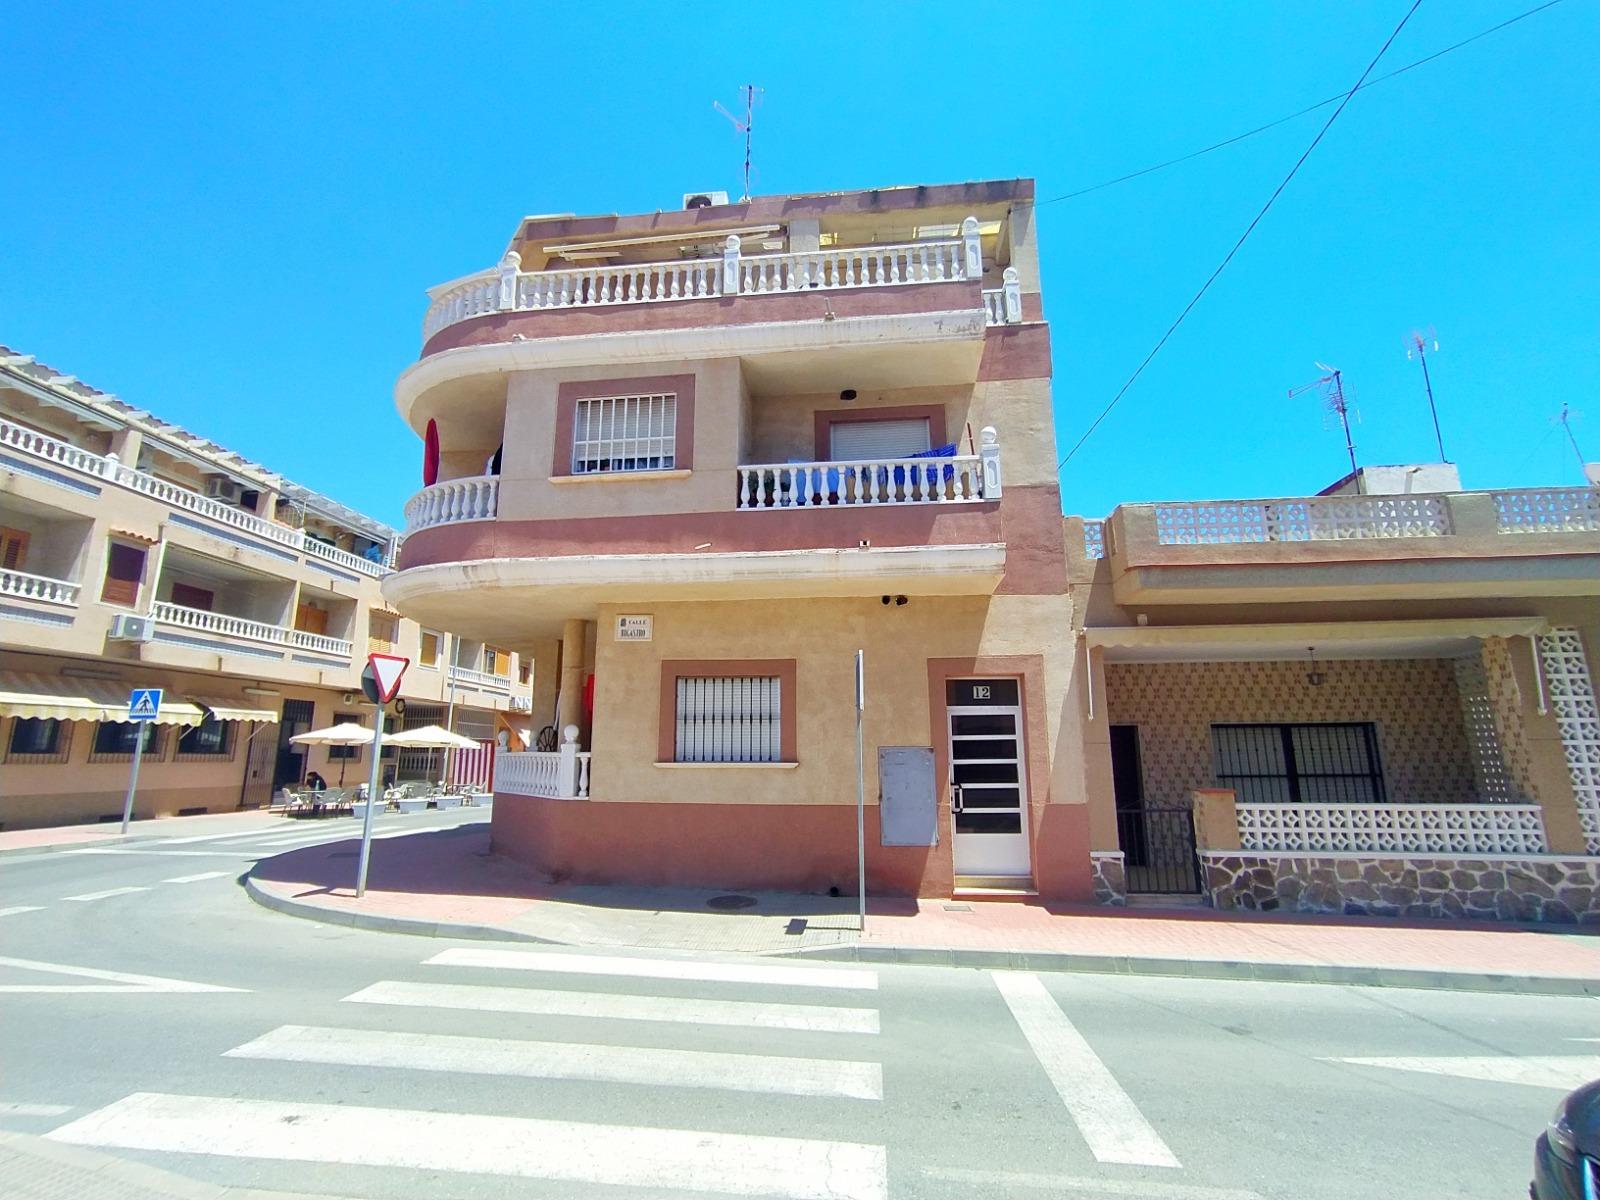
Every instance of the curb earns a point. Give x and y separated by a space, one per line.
308 911
1213 969
1008 960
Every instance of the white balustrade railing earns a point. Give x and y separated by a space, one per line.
480 679
636 283
344 558
1094 539
212 510
879 481
1308 519
562 773
857 266
220 623
24 586
1548 510
473 499
54 450
1391 828
321 643
507 288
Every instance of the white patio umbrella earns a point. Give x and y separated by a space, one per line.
346 734
431 737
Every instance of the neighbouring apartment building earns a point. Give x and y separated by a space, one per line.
691 461
139 555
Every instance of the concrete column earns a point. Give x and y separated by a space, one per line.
126 444
1216 819
546 679
1543 774
573 657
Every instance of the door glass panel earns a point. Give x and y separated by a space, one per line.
985 772
968 724
988 822
970 748
990 797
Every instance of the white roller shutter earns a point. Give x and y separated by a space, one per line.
854 441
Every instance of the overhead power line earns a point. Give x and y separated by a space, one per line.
1243 237
1250 133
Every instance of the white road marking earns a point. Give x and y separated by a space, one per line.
198 878
1105 1114
114 981
523 1147
20 908
747 1014
565 1060
658 968
1560 1071
1086 1185
109 892
13 1108
236 852
218 837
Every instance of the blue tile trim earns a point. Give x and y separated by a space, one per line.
260 545
72 483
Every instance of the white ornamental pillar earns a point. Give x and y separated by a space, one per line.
989 456
730 266
567 766
510 265
971 250
1011 296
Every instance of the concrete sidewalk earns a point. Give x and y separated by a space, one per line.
448 884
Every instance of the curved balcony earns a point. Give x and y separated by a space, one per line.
472 499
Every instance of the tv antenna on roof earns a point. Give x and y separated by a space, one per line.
1420 344
1331 385
751 92
1566 425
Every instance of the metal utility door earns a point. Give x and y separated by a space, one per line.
988 777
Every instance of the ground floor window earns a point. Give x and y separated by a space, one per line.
117 738
210 737
37 740
1294 764
729 718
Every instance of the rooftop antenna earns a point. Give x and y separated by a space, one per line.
750 91
1331 386
1566 425
1420 344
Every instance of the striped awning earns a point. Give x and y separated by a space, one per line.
61 698
233 710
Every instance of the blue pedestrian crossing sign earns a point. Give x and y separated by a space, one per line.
144 704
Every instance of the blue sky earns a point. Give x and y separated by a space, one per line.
228 214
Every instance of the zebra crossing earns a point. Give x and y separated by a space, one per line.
621 1031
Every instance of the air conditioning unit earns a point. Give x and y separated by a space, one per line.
704 199
126 627
220 487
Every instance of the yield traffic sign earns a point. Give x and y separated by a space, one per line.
381 679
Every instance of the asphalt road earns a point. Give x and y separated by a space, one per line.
360 1064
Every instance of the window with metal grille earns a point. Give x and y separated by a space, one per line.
38 740
624 433
1310 764
730 719
116 739
209 738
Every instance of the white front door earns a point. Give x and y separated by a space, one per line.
988 777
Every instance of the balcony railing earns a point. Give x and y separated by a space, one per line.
220 624
473 499
24 586
344 558
1309 519
320 643
106 467
554 773
1392 828
1548 510
482 680
508 288
881 481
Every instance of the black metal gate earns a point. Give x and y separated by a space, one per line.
1158 850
